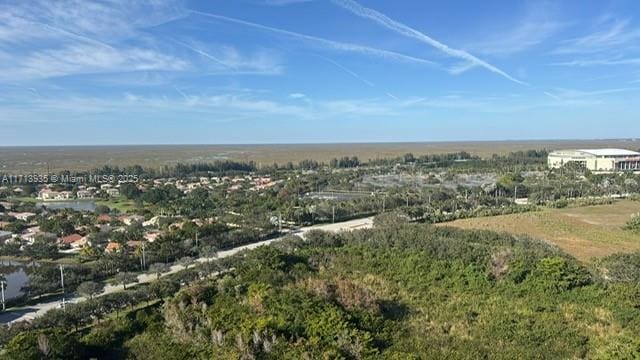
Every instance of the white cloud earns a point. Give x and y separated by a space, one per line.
71 37
618 34
284 2
537 25
107 21
569 94
262 61
86 59
229 60
407 31
597 62
297 96
131 97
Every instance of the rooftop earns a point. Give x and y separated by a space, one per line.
610 152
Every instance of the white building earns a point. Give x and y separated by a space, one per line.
84 194
24 216
113 192
597 160
50 195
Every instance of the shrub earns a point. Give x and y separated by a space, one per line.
621 267
558 274
634 223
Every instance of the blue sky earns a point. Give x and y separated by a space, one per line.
291 71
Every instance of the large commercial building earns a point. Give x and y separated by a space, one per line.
604 160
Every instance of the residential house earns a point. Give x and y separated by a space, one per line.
134 244
30 235
155 221
64 195
46 194
112 247
24 216
84 194
74 240
113 192
104 218
130 219
151 236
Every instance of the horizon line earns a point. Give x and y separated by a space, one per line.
631 139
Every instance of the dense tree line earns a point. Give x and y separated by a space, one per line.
396 291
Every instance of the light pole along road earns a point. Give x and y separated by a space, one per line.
33 311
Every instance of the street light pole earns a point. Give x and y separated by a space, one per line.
64 306
2 283
144 258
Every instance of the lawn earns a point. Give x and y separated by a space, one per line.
121 204
584 232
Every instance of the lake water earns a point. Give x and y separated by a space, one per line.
16 275
74 205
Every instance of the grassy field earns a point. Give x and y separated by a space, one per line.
54 158
121 204
585 232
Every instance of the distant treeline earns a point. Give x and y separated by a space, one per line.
229 167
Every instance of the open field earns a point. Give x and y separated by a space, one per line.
121 204
585 232
55 158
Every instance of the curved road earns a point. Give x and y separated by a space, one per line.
33 311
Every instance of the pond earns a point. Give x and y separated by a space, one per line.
74 205
15 273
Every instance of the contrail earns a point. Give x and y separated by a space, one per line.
71 34
186 98
348 71
205 54
327 43
552 96
391 96
189 100
355 75
405 30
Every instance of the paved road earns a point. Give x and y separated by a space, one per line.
33 311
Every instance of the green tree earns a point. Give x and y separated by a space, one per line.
130 191
89 289
124 278
102 209
158 269
43 344
186 261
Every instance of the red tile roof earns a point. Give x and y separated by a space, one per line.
104 218
134 243
112 246
68 240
